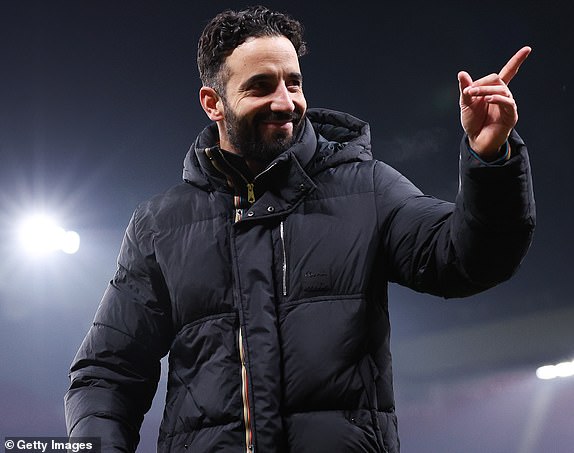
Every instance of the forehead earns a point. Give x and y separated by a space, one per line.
265 54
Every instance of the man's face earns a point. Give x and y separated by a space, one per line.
263 105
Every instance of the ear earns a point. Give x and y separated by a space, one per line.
211 103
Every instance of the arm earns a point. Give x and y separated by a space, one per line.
459 249
115 373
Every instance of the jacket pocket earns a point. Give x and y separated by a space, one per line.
204 382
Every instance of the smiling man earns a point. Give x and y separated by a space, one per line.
264 274
261 107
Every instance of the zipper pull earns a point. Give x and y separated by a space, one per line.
250 193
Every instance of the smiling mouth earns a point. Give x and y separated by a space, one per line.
278 123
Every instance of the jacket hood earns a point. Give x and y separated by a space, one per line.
329 138
341 138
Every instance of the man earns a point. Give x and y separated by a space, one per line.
264 273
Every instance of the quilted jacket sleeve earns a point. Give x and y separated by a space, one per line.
458 249
115 373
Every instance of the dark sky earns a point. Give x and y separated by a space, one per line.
99 104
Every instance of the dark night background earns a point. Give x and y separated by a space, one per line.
99 104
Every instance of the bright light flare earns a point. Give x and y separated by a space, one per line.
561 370
40 235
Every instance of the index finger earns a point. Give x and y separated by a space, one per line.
510 69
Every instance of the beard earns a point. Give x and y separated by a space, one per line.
246 137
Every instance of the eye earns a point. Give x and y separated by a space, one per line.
260 87
294 85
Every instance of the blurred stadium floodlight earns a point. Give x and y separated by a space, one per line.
560 370
40 234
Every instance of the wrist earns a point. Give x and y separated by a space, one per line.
502 154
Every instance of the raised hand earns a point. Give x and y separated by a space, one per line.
488 111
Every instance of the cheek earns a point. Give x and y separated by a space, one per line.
248 112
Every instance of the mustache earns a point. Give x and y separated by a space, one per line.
294 116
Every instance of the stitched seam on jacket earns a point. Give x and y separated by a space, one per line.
189 325
343 195
145 346
106 415
182 433
171 227
333 298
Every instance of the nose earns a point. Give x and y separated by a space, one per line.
282 100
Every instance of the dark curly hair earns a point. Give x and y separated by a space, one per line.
229 29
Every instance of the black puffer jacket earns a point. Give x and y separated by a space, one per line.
277 325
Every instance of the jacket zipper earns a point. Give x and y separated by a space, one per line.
242 359
284 280
251 185
250 192
245 396
244 374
